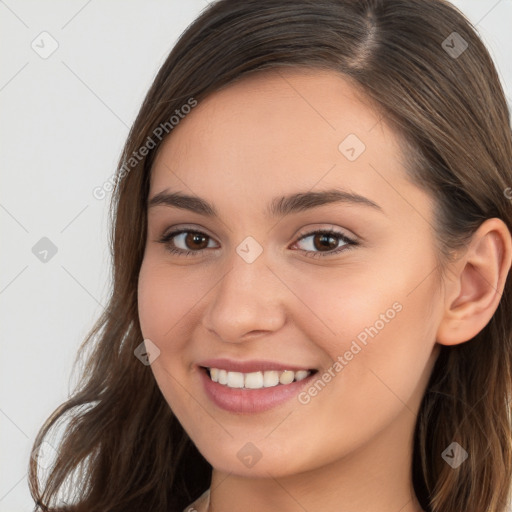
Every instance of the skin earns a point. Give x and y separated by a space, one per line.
350 447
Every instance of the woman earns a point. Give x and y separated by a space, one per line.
311 250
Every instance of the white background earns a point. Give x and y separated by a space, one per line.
64 120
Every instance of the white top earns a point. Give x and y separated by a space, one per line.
201 504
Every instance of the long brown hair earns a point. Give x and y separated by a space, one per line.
422 64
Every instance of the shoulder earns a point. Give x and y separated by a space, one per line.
200 504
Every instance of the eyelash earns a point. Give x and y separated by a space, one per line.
349 242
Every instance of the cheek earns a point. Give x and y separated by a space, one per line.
154 300
165 297
380 328
337 306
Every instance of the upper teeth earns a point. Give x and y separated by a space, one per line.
256 380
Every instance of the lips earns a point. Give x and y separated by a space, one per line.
250 401
248 387
251 366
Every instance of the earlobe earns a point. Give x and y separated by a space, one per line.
473 295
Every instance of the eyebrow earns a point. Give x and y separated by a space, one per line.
278 207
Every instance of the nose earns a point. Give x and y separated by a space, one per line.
248 301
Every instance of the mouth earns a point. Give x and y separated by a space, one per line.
256 380
252 386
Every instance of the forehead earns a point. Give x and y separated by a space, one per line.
275 131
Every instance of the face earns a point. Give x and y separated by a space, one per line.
338 286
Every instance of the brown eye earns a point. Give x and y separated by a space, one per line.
196 241
325 243
322 241
186 242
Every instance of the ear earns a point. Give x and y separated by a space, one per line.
476 283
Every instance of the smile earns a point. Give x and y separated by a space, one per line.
252 392
256 380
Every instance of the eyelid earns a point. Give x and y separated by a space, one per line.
186 227
326 228
303 232
350 241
